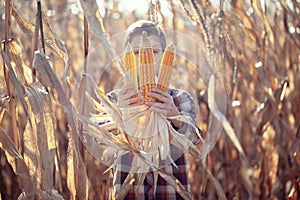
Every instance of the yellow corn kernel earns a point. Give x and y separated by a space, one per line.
165 70
146 75
130 67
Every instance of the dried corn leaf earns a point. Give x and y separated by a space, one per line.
267 114
53 195
294 192
84 108
95 104
49 79
31 152
76 173
253 36
81 179
257 7
112 109
238 11
201 21
186 120
126 186
3 89
45 135
245 177
141 158
8 145
17 163
102 136
19 89
140 178
175 183
270 162
54 42
101 117
119 143
218 114
24 25
95 21
115 113
216 183
14 54
51 38
71 182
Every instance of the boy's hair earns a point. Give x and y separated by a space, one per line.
148 26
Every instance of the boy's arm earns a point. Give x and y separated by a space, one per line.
187 108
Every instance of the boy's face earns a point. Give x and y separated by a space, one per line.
156 45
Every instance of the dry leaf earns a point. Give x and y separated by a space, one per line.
31 152
51 37
17 163
19 89
126 186
71 182
216 112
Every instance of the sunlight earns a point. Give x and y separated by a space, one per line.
140 7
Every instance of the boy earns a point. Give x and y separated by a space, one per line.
172 103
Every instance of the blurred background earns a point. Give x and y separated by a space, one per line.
253 47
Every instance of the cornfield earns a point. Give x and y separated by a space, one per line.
53 53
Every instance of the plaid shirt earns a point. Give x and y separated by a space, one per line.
186 106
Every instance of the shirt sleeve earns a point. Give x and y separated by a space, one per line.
186 106
113 96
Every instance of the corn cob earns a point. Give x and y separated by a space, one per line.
165 70
147 76
130 66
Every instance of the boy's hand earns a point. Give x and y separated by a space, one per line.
164 105
129 96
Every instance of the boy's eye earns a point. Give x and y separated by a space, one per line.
155 51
